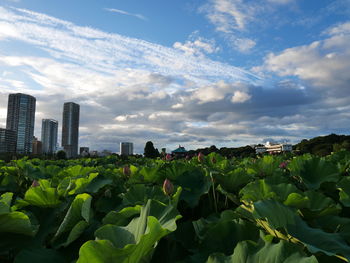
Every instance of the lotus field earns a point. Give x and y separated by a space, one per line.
269 209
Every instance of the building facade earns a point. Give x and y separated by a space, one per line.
274 148
49 129
37 147
21 119
84 151
126 148
7 141
70 129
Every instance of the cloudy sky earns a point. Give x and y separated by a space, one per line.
195 72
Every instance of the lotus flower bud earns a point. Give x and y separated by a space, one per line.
108 193
200 157
126 170
168 157
283 165
213 160
35 183
168 187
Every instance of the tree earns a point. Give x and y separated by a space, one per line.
150 151
61 155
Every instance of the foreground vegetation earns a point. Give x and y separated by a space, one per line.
207 209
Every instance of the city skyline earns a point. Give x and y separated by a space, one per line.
213 72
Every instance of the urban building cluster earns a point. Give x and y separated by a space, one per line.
18 136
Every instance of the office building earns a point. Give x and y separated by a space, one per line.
21 118
49 129
70 129
126 148
37 147
7 141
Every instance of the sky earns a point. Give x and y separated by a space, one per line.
193 73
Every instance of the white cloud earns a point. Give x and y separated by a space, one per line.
240 97
244 45
197 46
220 91
118 11
228 15
281 2
324 64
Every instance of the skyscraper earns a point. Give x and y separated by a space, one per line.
49 129
70 128
21 118
7 141
126 148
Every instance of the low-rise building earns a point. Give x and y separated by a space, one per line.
274 148
180 151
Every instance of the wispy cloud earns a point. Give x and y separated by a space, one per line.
118 11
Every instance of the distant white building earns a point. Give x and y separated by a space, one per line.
126 148
274 148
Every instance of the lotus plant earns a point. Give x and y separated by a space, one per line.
200 157
126 170
35 183
168 157
168 187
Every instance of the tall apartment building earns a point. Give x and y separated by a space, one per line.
21 118
49 129
126 148
7 141
70 128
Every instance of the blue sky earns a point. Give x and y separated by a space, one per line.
195 73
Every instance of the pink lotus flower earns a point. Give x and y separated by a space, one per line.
200 157
283 165
35 183
126 170
168 187
168 157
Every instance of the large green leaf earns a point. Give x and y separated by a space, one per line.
262 190
265 252
279 216
40 255
122 217
134 242
233 180
314 171
16 222
75 221
42 195
344 191
5 203
223 234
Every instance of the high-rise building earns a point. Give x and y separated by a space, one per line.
126 148
21 118
70 128
7 141
37 146
49 130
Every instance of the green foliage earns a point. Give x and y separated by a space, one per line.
150 151
221 209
